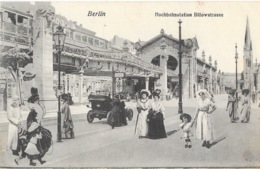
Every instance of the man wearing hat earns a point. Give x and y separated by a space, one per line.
143 107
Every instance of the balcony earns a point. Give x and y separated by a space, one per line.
9 27
14 39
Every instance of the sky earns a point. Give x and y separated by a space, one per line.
217 36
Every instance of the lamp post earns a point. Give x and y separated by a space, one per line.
59 39
180 73
236 57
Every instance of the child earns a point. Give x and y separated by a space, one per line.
186 128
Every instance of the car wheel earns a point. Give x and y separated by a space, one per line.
130 114
90 117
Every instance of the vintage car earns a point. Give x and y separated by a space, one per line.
101 106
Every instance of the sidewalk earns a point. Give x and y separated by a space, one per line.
79 112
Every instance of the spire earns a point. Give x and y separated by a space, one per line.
248 41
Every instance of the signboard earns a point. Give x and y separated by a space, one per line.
120 75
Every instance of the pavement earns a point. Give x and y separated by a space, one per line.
97 145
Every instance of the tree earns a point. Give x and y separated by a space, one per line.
12 60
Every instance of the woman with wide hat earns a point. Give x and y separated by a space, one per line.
143 107
232 106
36 115
156 117
246 107
203 125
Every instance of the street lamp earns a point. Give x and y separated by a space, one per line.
59 39
180 73
236 57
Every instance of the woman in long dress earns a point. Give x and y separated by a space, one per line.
156 117
14 118
246 107
232 106
143 107
68 127
34 119
115 112
203 125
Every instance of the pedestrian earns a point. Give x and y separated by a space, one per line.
253 96
212 97
186 129
232 106
34 118
123 113
15 118
203 125
70 101
116 113
246 106
68 127
155 118
143 107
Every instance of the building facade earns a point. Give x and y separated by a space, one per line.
89 62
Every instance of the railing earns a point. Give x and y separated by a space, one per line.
122 57
9 27
14 39
21 30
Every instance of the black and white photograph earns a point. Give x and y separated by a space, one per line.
129 84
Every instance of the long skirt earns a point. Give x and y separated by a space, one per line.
245 113
203 127
42 144
68 131
233 111
142 125
156 126
12 142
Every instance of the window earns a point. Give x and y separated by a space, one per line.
96 42
67 33
102 45
57 21
9 17
71 34
78 38
62 23
108 65
90 41
84 39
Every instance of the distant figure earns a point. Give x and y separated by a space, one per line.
68 127
70 101
232 106
123 113
116 113
246 107
253 96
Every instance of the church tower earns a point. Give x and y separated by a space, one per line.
248 61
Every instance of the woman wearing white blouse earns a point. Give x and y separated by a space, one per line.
14 118
203 126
